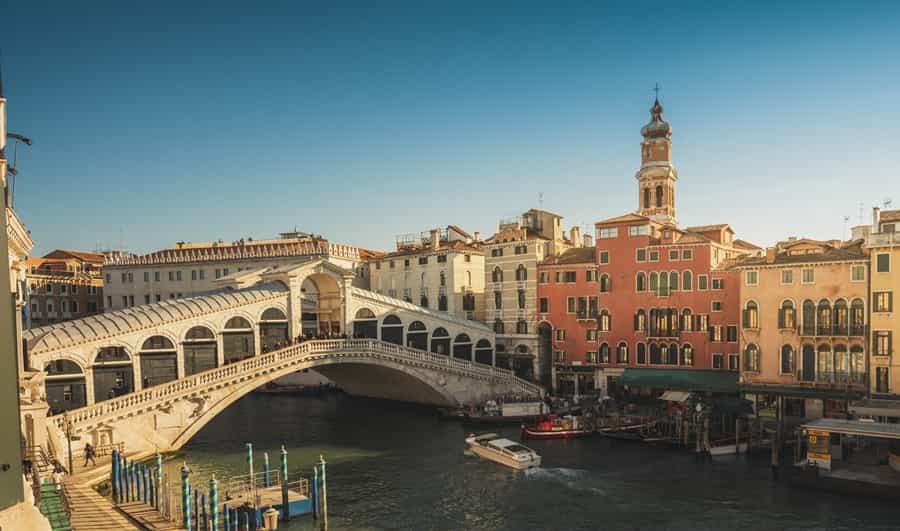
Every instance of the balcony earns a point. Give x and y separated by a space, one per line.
854 330
521 284
883 239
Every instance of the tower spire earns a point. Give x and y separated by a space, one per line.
657 176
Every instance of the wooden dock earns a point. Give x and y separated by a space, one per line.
268 496
147 517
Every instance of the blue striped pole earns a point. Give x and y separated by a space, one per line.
112 475
123 486
226 513
285 507
186 497
197 508
246 519
235 515
213 504
315 493
159 479
324 494
136 470
266 470
202 523
127 481
145 483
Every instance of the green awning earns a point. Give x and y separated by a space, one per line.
801 392
681 379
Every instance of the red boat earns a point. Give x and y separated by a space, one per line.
553 427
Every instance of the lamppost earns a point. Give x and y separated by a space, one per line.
69 440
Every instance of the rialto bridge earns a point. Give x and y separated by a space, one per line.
151 376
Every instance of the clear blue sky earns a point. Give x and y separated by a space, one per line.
162 121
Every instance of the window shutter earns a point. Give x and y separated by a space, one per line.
781 318
711 333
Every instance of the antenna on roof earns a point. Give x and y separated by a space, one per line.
846 220
541 200
887 203
860 213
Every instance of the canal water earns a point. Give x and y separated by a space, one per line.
396 466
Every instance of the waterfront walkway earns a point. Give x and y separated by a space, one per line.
93 512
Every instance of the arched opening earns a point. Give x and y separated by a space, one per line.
646 198
687 281
604 321
673 281
603 353
200 350
672 354
622 352
605 283
823 318
321 303
841 318
808 370
545 352
640 321
751 358
654 282
159 361
521 273
751 315
656 354
497 274
484 352
640 283
687 320
417 335
787 318
687 355
788 359
462 347
824 364
841 364
64 386
857 318
392 329
659 196
238 342
113 373
857 365
273 330
365 324
809 318
641 354
440 341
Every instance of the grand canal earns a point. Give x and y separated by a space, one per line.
395 466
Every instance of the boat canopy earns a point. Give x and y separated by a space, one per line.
714 381
855 427
675 396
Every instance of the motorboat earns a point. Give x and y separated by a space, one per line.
504 451
553 427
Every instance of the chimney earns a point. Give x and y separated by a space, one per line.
575 236
770 254
435 239
876 218
477 236
588 240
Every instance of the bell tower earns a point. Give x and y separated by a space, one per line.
657 176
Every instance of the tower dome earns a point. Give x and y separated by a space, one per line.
657 128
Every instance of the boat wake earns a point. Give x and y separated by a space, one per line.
573 478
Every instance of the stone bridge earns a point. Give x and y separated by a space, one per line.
152 375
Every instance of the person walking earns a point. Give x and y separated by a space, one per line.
89 454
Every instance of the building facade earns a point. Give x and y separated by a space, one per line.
189 269
64 285
804 324
442 269
883 244
511 258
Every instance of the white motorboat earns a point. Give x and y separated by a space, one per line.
504 451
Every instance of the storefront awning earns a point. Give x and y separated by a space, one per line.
681 379
855 427
675 396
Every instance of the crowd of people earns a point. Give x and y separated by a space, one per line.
309 336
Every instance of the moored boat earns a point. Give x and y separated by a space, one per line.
504 451
493 412
727 447
629 428
553 427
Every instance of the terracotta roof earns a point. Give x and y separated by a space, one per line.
82 255
890 215
575 255
743 244
850 252
452 246
692 237
626 217
709 228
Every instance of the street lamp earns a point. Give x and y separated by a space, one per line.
69 440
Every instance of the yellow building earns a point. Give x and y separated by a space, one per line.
884 250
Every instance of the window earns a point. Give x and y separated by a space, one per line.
522 326
654 256
496 274
604 353
496 252
687 254
640 282
608 233
406 263
171 276
124 277
604 321
218 272
702 282
49 288
718 361
641 354
130 277
108 302
787 276
581 307
202 274
521 273
131 300
521 298
858 273
731 333
640 255
498 300
592 307
591 356
423 260
544 277
570 305
718 283
639 230
751 358
883 301
591 334
807 275
391 264
751 315
543 305
715 333
156 276
498 326
687 355
604 257
569 276
882 343
716 306
605 283
467 258
686 281
193 274
788 359
146 299
560 334
733 362
673 255
225 272
108 278
882 385
787 317
590 275
883 263
751 278
442 258
158 297
521 249
146 276
124 301
622 353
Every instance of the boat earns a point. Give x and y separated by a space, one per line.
727 447
501 413
627 428
504 451
553 427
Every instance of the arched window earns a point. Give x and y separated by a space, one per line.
392 329
391 320
498 299
823 318
656 354
841 318
417 326
521 273
841 363
824 364
365 313
158 343
687 320
687 355
672 354
809 318
641 354
787 319
808 367
751 358
605 283
112 355
497 275
498 326
646 198
857 317
687 283
237 323
857 364
751 315
440 341
673 281
654 282
604 321
159 363
659 196
622 353
462 347
521 299
640 321
663 285
603 353
522 326
61 368
788 359
273 314
484 352
640 281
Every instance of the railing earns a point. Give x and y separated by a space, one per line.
294 354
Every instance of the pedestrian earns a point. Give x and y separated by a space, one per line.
89 454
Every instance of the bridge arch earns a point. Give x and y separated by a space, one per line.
392 329
200 349
157 359
365 324
238 339
417 335
113 372
273 329
440 341
65 385
321 302
484 352
462 347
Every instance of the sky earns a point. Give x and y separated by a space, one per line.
157 122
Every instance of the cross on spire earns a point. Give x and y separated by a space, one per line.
656 90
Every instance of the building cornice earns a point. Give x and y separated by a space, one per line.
20 242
